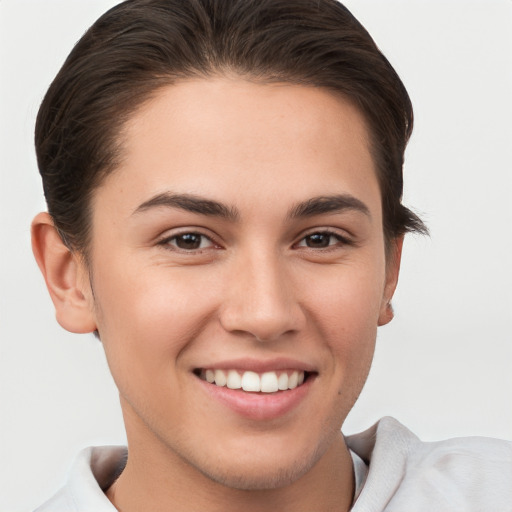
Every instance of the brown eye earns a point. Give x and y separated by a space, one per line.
188 242
318 240
322 240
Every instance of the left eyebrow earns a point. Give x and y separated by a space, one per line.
328 204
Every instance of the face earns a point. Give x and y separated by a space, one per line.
240 242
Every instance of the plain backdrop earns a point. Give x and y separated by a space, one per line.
444 365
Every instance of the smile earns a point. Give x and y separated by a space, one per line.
267 382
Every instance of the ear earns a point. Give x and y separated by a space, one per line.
65 275
393 259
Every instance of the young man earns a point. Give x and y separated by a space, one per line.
224 186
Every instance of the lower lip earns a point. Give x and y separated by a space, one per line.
259 406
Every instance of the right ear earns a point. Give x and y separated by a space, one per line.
66 277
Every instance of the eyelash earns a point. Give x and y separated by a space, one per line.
341 240
167 242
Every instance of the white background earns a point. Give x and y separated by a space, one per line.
444 365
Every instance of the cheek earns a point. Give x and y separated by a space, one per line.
347 301
346 306
146 318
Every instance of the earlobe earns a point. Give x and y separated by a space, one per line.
392 271
386 314
64 275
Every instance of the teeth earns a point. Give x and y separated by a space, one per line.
282 381
220 378
234 381
293 380
268 382
251 381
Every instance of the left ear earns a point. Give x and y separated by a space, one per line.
393 258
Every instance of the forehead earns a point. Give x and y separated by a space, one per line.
223 136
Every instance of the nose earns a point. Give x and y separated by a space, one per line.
261 300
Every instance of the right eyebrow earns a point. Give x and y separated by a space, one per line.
191 203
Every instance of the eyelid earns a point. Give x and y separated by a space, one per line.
344 238
169 235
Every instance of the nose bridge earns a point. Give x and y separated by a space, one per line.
261 299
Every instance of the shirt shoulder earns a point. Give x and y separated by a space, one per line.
59 502
92 472
472 474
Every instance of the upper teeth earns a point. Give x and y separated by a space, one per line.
268 382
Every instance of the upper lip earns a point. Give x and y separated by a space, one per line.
259 365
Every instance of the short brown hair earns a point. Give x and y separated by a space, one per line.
141 45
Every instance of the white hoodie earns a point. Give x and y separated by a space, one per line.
395 472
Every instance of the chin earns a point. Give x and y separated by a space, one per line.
265 470
246 477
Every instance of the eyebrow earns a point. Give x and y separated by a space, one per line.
190 203
328 204
319 205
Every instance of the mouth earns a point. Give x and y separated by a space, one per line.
258 390
253 382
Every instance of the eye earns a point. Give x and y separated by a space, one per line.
188 242
322 240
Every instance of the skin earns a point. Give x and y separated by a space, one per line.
256 289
